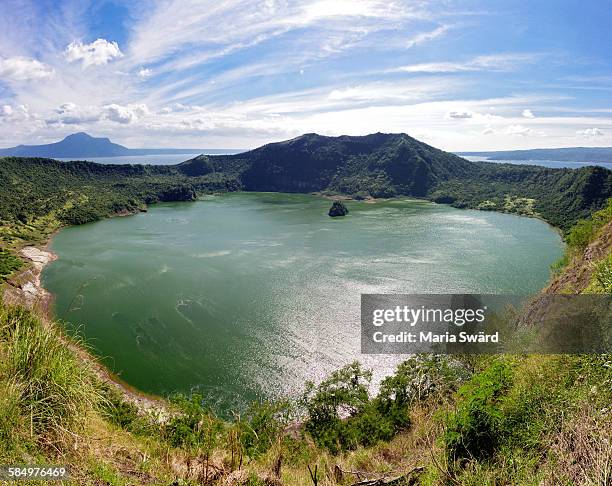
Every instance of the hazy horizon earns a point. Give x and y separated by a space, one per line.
461 75
243 149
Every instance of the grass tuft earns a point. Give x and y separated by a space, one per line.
49 390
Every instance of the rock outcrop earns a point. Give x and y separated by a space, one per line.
25 288
338 209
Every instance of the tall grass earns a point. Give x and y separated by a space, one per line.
46 390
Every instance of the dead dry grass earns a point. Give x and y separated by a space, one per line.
581 452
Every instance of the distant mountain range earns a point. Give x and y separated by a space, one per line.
82 145
570 154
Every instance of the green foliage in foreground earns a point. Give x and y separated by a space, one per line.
475 429
582 234
603 276
512 408
9 263
506 419
341 414
47 391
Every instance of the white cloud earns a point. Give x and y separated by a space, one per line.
459 114
6 110
176 108
325 9
73 114
528 114
427 36
519 130
488 131
145 73
494 62
24 69
97 53
590 132
125 114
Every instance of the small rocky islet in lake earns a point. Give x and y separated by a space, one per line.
338 209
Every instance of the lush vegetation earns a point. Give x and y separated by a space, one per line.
560 196
39 195
47 390
9 263
598 268
437 420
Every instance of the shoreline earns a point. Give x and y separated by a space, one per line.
25 288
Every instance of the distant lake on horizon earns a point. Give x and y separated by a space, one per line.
553 164
172 159
247 295
168 159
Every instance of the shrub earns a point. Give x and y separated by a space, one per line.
603 275
8 264
341 415
475 428
343 395
262 425
119 411
419 377
581 234
194 428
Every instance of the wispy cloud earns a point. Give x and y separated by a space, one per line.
491 62
430 35
177 29
590 133
239 73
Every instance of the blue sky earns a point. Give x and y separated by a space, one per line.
460 75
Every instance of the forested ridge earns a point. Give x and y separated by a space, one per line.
37 193
388 165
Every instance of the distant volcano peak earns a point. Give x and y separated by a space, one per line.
82 145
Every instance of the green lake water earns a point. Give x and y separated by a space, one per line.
247 295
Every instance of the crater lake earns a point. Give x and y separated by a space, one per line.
247 295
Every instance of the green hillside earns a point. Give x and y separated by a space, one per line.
388 165
377 165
